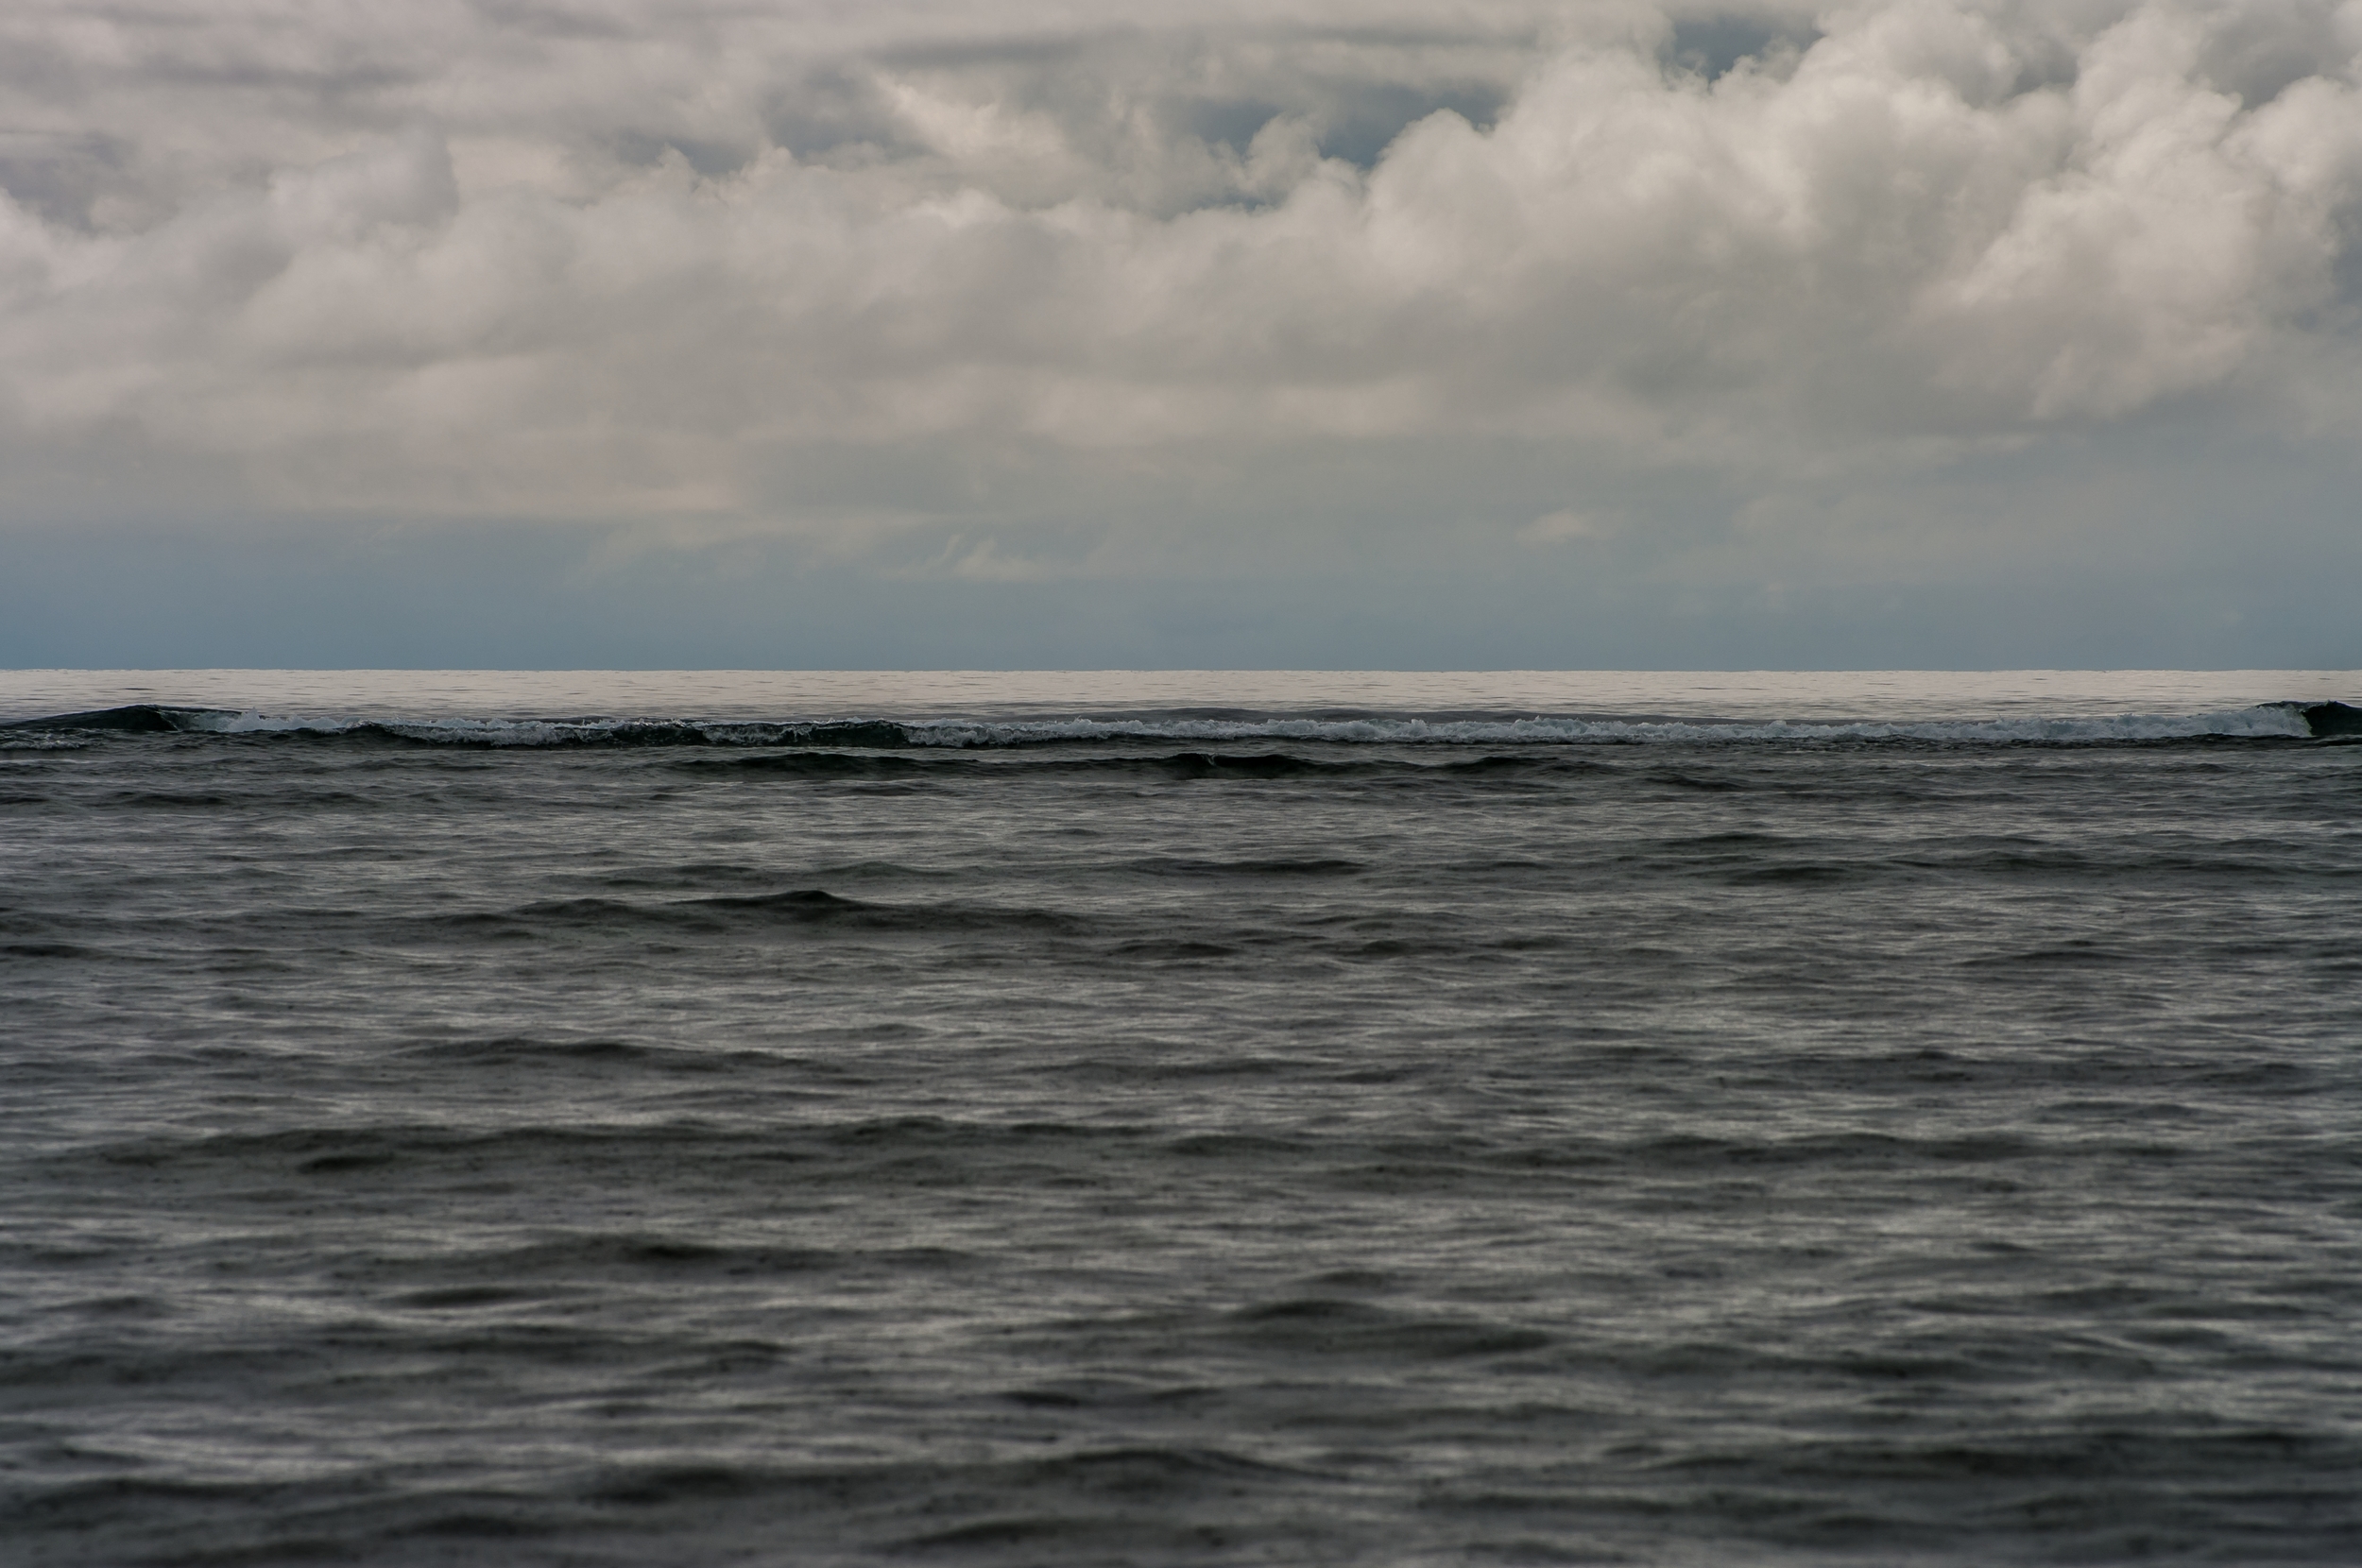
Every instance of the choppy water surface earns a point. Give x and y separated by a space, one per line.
1180 1119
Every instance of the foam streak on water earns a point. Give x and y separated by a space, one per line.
1180 1119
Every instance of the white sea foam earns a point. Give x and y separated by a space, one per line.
2266 721
463 732
1897 696
2246 723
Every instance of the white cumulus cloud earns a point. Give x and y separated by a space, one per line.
622 259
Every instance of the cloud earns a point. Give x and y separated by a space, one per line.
614 260
1560 526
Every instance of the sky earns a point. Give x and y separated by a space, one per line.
1304 333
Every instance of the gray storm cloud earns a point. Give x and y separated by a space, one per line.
623 259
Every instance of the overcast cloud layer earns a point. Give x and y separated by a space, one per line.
1693 299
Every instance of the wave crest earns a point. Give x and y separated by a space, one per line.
2267 721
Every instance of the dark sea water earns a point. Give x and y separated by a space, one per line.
1180 1119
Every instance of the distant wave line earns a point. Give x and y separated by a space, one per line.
2267 721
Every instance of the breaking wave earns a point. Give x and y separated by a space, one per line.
2264 722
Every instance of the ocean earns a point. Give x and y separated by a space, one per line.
1180 1118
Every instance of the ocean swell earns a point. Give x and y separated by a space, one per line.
2280 721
